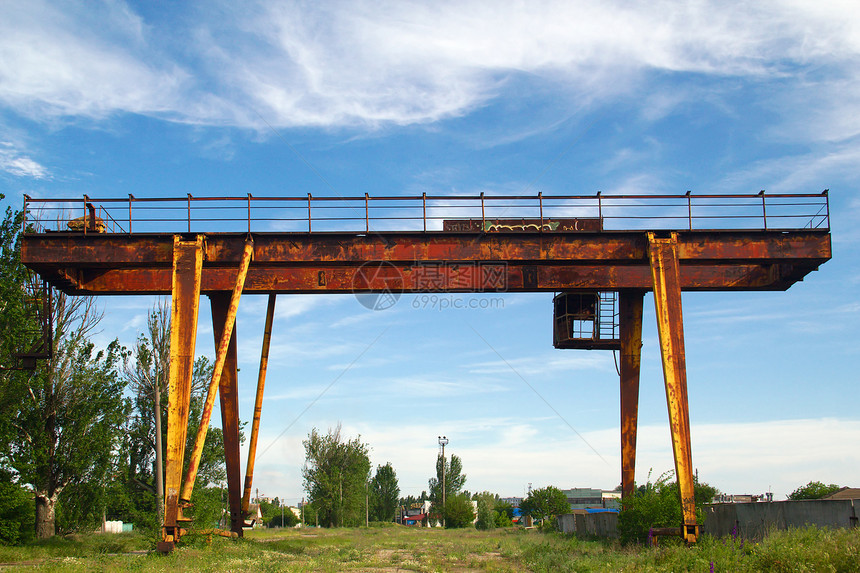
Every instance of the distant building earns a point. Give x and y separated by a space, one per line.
742 498
416 514
845 493
512 501
590 498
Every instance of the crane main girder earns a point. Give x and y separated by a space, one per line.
427 262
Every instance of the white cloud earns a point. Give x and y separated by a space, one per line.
504 455
17 163
532 366
87 60
373 63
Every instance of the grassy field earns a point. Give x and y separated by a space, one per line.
392 549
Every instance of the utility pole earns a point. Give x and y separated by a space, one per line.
366 507
443 441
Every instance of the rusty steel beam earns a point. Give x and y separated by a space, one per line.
258 404
220 359
227 389
665 269
225 249
187 266
630 305
490 277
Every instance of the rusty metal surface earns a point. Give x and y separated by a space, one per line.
225 343
630 308
222 307
187 265
670 327
258 404
288 263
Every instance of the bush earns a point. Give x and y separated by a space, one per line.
545 503
290 519
658 504
813 490
16 513
458 512
486 515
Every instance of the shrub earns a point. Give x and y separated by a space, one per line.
16 513
658 504
458 512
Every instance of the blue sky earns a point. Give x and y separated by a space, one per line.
342 98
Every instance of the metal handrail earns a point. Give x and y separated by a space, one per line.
425 213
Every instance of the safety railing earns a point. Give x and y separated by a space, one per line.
426 213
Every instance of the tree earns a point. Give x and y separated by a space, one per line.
384 493
148 375
335 476
504 514
658 504
454 481
813 490
15 324
486 510
458 511
147 369
69 422
545 503
16 511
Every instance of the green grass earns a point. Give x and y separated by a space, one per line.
390 549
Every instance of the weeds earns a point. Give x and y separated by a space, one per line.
430 550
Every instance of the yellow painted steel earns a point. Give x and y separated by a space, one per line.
258 404
187 270
665 272
220 358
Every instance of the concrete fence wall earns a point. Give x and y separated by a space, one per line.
603 524
745 520
754 520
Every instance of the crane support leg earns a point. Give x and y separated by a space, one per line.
229 411
630 307
223 344
187 269
258 405
665 272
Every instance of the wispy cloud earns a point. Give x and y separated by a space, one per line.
376 63
543 364
504 455
17 163
87 60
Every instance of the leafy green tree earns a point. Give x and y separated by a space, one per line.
658 504
16 511
459 512
147 369
69 422
335 475
455 479
504 514
545 503
14 321
813 490
385 493
486 510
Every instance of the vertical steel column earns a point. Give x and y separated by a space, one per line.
227 388
665 271
187 269
258 405
220 358
630 308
